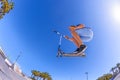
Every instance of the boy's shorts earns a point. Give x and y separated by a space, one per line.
86 34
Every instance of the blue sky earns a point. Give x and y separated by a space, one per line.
28 29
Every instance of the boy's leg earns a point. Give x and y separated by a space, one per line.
77 40
76 37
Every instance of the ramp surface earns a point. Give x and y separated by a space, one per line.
117 77
6 73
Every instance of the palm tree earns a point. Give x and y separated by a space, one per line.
46 75
108 76
37 75
105 77
5 7
49 78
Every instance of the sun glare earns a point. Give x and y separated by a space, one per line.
116 12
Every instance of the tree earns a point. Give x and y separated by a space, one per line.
37 75
6 6
105 77
45 76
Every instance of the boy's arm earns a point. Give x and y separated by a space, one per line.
68 38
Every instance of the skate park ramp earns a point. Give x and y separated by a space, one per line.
6 72
117 77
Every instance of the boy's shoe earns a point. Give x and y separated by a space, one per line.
76 51
82 48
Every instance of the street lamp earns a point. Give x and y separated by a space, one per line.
86 75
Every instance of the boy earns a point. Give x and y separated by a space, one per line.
76 39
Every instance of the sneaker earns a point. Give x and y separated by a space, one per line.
76 51
82 48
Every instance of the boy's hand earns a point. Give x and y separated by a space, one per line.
66 37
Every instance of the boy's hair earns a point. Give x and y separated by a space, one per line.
72 26
78 24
